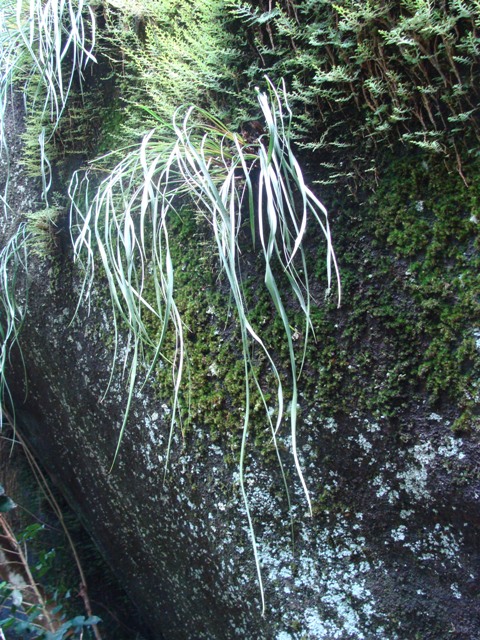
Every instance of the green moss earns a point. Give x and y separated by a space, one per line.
404 334
213 392
410 273
427 217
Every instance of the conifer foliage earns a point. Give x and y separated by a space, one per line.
364 75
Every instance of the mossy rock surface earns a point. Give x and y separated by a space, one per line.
388 432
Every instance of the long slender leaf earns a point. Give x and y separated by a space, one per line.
124 228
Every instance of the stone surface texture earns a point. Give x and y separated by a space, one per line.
390 554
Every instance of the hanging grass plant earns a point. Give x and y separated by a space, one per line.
13 270
123 227
238 184
45 48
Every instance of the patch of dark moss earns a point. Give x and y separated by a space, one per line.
213 390
429 219
409 262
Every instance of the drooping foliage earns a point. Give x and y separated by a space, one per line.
209 170
13 270
203 165
46 47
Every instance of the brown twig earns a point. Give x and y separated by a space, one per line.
43 484
15 549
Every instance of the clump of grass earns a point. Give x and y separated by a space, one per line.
59 44
11 39
124 228
45 46
42 230
13 268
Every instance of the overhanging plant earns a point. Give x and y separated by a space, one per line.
45 47
121 223
13 275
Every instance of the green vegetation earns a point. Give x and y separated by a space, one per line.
46 48
407 324
13 269
364 76
410 273
42 231
361 77
197 158
433 227
127 225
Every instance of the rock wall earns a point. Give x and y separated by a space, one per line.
392 549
